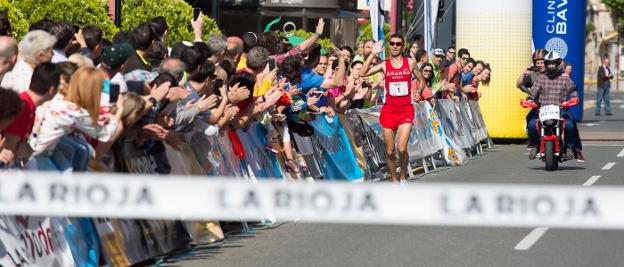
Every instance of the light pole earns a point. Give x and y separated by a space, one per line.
114 9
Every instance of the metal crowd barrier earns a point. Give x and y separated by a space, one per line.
348 147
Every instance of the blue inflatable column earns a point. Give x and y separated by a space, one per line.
559 25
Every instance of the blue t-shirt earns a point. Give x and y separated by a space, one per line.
309 80
467 78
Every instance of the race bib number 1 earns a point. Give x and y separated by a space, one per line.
399 89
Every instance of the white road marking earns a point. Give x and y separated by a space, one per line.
529 240
621 154
608 166
591 180
604 145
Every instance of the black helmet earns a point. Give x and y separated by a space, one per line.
539 54
550 58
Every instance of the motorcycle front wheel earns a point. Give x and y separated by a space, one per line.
549 156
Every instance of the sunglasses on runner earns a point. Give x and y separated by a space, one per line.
396 43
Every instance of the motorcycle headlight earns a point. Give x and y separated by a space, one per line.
550 122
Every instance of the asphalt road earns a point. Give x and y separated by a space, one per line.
300 244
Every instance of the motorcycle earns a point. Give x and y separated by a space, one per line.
551 126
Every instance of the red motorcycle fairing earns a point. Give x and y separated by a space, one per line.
549 138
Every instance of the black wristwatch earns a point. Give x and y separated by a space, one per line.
153 100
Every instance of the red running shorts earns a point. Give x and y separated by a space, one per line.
392 115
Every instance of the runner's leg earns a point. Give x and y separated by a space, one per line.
388 135
403 134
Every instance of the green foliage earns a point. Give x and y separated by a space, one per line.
617 11
589 28
19 24
79 12
367 33
325 43
616 6
178 14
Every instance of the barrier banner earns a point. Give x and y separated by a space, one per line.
355 126
34 241
452 153
415 146
357 151
475 116
183 161
133 159
433 123
426 123
140 239
374 144
465 123
338 161
83 241
231 162
262 163
165 235
472 121
422 142
305 147
445 121
480 116
204 232
451 122
216 157
363 145
124 242
171 197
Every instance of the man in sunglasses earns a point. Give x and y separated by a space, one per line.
397 113
450 57
453 71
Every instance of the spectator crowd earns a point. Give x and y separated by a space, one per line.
72 100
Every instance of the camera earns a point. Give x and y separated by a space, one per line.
533 68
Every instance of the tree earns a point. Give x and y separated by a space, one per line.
325 43
178 14
79 12
617 12
19 24
367 33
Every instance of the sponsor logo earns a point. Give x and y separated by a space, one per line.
92 194
556 23
556 17
557 44
540 205
299 201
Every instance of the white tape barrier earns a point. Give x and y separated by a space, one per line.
171 197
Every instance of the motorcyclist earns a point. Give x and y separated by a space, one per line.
551 88
525 83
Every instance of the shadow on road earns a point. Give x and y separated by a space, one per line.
561 168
